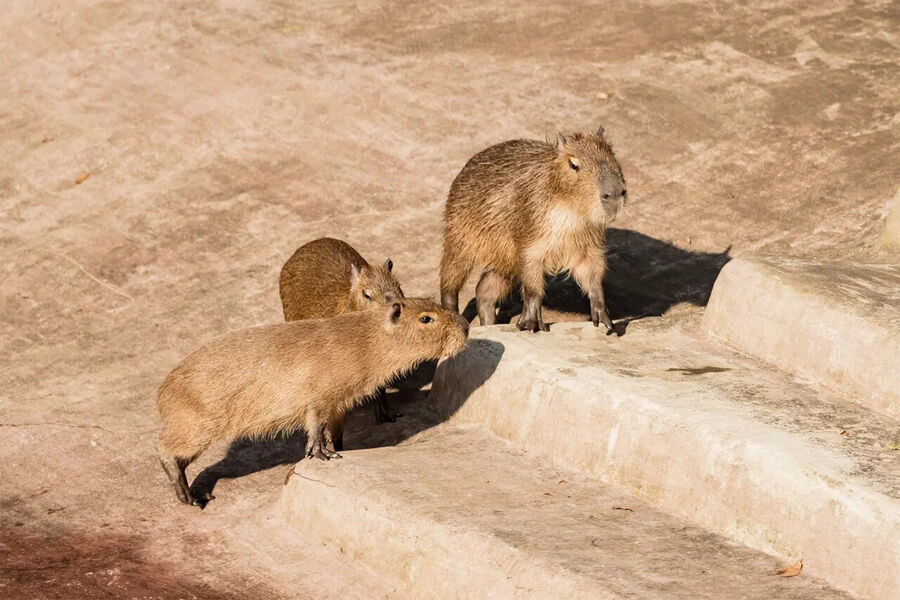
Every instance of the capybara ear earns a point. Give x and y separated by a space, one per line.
560 139
396 309
389 264
601 133
354 276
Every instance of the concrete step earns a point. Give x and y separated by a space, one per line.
832 323
457 513
701 432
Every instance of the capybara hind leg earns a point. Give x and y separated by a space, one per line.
316 444
492 287
174 468
335 433
532 295
455 270
382 411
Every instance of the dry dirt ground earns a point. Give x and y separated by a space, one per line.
160 160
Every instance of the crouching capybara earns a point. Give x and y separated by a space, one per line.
328 277
307 374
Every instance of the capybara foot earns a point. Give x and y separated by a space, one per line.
384 413
185 496
533 325
600 315
322 453
319 450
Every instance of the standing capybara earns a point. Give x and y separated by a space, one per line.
307 374
524 208
328 277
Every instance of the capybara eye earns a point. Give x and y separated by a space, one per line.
425 319
575 166
606 196
367 295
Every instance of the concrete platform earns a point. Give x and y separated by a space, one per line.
698 431
457 513
830 322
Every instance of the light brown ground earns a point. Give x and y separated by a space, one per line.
217 138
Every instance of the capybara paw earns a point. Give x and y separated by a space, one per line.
383 413
322 453
598 316
533 325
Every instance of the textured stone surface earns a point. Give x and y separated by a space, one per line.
890 235
456 513
698 431
835 323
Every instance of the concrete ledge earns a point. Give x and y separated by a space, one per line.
698 431
455 513
832 323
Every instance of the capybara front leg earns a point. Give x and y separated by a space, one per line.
589 275
599 312
382 411
316 445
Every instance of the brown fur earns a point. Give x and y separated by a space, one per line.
303 374
327 277
519 209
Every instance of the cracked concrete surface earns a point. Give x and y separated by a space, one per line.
210 140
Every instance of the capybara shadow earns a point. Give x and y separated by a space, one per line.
422 409
247 456
645 277
471 368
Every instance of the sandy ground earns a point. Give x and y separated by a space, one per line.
160 160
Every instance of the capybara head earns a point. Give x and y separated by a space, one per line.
590 176
371 287
421 324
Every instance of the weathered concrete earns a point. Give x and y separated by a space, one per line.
456 513
835 323
698 431
890 235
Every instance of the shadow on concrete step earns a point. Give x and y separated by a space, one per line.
645 277
245 457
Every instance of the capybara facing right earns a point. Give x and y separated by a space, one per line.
306 374
524 208
328 277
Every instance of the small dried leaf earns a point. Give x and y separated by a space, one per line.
844 432
792 570
893 446
289 473
81 178
562 481
623 508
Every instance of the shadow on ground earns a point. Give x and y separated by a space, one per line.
245 457
66 564
645 277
